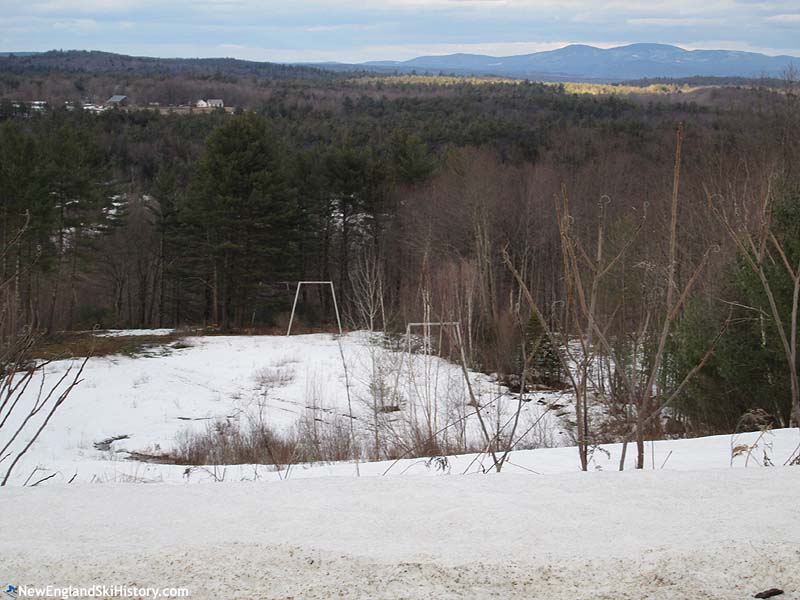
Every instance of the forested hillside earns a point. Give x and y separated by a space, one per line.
108 63
521 210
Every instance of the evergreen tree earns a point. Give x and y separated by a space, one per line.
23 201
242 216
748 370
411 160
167 224
354 176
80 207
545 364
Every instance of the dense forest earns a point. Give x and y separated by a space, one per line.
663 232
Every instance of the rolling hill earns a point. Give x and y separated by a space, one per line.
581 62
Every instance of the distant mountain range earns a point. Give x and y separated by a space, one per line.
571 63
581 62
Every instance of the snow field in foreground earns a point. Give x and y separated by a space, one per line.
666 534
690 526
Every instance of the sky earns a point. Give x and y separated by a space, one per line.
353 31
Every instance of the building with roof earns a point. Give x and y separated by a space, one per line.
117 100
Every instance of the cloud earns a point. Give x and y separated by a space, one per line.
78 25
73 7
787 18
322 28
669 21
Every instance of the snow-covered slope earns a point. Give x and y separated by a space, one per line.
152 399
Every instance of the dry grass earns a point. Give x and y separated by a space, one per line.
64 345
69 345
228 443
272 377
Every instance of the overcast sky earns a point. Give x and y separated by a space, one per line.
343 30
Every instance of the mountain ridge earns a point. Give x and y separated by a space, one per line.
575 62
581 61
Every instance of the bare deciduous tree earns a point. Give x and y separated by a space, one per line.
757 243
591 329
27 401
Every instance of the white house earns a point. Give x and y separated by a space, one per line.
210 103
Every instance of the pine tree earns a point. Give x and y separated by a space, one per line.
353 176
748 370
242 216
79 207
411 160
545 364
